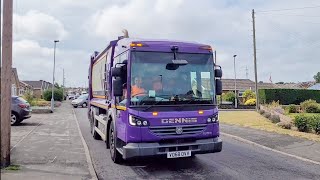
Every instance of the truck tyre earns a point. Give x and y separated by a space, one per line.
115 155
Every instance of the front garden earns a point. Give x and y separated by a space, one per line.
283 111
296 109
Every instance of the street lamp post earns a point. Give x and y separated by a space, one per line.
235 82
54 65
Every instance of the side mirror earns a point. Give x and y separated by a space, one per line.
218 73
117 87
218 87
116 72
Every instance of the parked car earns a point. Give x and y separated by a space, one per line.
84 92
71 96
80 101
20 110
77 95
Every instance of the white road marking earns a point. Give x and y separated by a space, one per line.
86 150
270 149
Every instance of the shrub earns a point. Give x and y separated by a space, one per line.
28 97
279 109
261 111
303 122
248 94
58 95
307 103
292 108
285 125
274 104
267 115
315 124
313 108
310 106
250 102
42 103
287 96
275 118
229 96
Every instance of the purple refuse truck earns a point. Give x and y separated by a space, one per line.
155 98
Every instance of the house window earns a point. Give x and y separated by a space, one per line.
13 90
240 93
21 92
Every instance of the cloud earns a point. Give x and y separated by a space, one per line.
226 25
286 44
38 26
35 62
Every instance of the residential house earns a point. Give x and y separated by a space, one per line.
315 87
14 82
242 85
39 87
25 88
299 85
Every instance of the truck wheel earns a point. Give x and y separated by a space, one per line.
115 155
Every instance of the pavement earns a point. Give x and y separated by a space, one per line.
238 160
292 145
49 146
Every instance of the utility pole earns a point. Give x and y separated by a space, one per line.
255 60
63 83
235 83
54 67
6 72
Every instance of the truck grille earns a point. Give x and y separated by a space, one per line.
177 130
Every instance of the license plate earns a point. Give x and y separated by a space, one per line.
177 154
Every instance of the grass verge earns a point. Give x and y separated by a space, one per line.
254 120
12 168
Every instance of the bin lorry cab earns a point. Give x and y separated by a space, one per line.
155 98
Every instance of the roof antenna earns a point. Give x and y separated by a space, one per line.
125 33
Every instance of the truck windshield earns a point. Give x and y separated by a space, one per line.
159 78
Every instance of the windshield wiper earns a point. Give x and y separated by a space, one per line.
193 99
167 95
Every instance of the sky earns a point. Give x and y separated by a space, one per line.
288 39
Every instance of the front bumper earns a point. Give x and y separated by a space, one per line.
200 146
75 104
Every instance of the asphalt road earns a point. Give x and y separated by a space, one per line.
236 161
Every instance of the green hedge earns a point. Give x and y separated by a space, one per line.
58 95
288 96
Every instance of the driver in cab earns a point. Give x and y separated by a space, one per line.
136 89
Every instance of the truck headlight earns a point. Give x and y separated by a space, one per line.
134 121
213 119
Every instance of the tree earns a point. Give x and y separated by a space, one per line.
317 77
56 85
